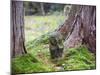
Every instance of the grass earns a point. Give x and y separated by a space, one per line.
29 64
78 59
38 57
38 60
38 25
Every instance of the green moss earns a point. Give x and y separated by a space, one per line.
79 59
39 60
28 64
75 58
43 39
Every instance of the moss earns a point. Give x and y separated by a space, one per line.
38 60
79 59
43 39
28 64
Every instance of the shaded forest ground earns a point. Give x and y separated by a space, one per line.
37 29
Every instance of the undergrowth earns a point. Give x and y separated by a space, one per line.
78 59
29 64
38 59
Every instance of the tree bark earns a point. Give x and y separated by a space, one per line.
17 29
42 8
80 27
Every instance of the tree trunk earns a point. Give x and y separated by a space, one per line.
17 29
42 8
80 27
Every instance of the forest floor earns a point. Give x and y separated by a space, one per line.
37 29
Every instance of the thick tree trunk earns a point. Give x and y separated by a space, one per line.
80 27
17 29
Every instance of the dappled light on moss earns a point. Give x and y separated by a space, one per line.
28 64
79 59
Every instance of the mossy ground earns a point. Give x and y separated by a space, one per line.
38 60
38 57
